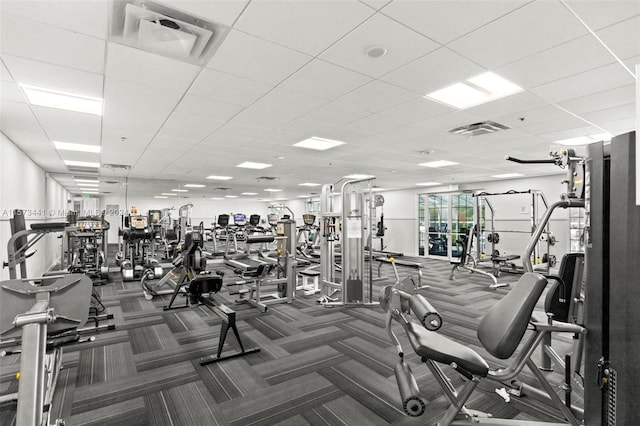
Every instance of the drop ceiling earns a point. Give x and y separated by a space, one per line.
285 71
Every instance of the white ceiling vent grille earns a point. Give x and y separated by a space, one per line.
477 129
165 31
86 170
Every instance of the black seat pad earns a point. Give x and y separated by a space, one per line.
436 347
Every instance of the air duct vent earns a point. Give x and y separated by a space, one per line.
267 178
117 167
477 129
165 31
222 188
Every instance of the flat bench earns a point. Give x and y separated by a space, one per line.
417 266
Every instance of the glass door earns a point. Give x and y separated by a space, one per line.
443 221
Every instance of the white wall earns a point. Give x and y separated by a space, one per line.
25 186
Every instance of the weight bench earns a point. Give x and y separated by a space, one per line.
499 261
500 332
306 275
415 265
46 313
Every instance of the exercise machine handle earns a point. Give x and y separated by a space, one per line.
519 161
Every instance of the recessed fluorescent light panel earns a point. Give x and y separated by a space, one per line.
214 177
439 163
169 194
273 190
88 180
249 193
87 185
65 146
81 164
217 198
319 144
160 196
507 175
180 190
309 184
584 140
428 184
40 96
194 185
281 199
230 196
475 91
252 165
357 176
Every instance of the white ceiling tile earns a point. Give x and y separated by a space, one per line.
528 30
324 80
564 124
86 128
434 71
632 62
277 108
533 116
377 96
63 14
40 42
618 127
596 101
593 81
444 21
188 127
623 38
416 110
522 101
21 126
337 113
375 124
209 108
55 77
572 57
308 26
4 72
250 57
376 4
611 114
592 12
235 130
221 11
403 45
142 67
569 133
11 92
299 129
219 86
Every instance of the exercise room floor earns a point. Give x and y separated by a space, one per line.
316 365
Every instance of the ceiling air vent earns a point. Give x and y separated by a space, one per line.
165 31
117 167
222 188
267 178
477 129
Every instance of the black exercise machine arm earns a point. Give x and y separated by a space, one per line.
519 161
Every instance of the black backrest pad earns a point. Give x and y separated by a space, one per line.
501 330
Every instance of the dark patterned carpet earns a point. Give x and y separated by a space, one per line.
316 365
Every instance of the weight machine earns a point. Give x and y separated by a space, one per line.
136 254
351 227
85 248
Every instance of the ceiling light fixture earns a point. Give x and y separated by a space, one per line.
214 177
39 96
87 185
65 146
180 190
82 163
88 180
475 91
272 190
169 194
319 144
428 184
439 163
585 140
252 165
249 193
230 196
507 175
194 185
309 184
217 198
160 196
